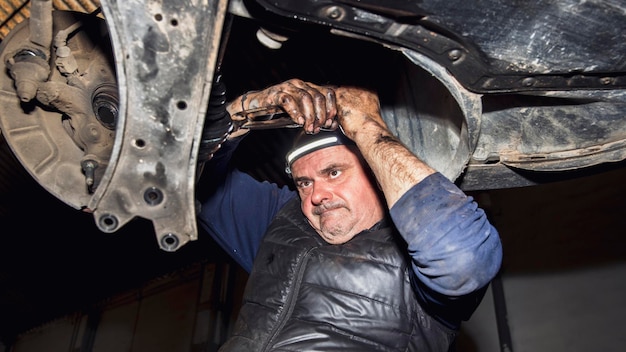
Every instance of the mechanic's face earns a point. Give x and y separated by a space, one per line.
338 198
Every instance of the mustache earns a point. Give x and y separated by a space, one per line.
320 209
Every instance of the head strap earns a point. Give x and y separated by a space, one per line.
305 143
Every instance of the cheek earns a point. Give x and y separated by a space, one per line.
363 202
305 205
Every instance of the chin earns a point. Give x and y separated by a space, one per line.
336 239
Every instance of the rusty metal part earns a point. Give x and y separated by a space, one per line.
28 67
48 116
166 54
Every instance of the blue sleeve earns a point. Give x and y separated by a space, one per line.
455 251
239 209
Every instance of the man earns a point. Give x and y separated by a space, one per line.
378 252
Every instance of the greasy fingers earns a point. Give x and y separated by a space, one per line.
331 109
307 104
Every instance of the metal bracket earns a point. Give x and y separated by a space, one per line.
165 56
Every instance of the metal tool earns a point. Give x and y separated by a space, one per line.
263 118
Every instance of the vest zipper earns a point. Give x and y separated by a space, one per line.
290 301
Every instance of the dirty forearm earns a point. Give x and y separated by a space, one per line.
396 168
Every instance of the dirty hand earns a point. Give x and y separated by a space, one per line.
312 106
358 109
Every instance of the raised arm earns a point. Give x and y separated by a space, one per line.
456 252
396 168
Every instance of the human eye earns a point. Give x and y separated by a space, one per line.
301 184
334 173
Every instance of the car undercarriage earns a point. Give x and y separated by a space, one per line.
114 112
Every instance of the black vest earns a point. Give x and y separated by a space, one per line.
306 295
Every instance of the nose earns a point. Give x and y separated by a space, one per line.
321 193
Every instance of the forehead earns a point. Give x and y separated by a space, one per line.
321 159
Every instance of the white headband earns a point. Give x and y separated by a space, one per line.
308 143
312 146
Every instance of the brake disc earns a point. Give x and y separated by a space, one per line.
59 108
